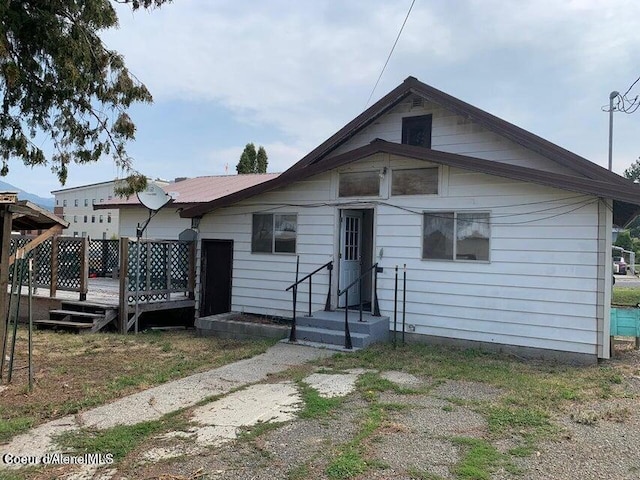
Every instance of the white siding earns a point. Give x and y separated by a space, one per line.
454 134
165 225
538 290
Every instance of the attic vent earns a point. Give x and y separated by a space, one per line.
417 102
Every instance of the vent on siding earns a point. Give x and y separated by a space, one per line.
417 102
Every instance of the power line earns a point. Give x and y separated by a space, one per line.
625 104
390 53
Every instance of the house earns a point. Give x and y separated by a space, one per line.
506 237
185 193
76 206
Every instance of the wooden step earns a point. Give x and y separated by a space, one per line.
74 313
63 323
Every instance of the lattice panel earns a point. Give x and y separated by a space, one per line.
164 268
42 264
69 263
180 266
104 257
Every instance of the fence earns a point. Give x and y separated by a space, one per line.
60 263
104 257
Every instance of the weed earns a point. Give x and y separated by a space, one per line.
347 464
13 426
504 419
479 461
118 440
315 405
257 430
585 417
448 408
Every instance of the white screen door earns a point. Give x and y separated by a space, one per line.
350 254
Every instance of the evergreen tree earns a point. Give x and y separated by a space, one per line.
262 160
59 81
247 159
633 172
252 161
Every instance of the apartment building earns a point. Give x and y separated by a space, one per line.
75 205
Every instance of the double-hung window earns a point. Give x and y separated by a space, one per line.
274 233
456 236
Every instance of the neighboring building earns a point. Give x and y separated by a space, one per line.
76 204
185 192
506 237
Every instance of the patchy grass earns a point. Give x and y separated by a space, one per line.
625 296
315 405
542 386
75 372
119 440
480 460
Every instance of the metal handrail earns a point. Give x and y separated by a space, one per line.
294 286
345 292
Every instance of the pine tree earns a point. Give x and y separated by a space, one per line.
262 160
252 161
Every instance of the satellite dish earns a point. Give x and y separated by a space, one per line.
154 197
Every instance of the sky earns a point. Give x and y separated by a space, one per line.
287 74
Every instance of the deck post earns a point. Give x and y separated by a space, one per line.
55 266
123 316
84 268
192 270
5 229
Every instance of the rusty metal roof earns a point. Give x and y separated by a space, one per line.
194 191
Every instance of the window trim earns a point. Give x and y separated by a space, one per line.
273 236
455 236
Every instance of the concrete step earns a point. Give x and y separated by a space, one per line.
334 320
331 337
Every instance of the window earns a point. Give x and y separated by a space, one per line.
101 219
75 219
57 202
453 235
93 219
64 203
109 218
86 202
417 131
274 233
75 202
359 184
415 181
109 197
84 234
75 234
93 202
102 200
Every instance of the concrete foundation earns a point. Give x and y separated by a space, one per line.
221 326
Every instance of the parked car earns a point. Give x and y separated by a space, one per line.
619 265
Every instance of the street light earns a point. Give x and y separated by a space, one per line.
612 95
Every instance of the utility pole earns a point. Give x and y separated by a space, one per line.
612 95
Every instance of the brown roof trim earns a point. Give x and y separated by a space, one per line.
599 188
412 85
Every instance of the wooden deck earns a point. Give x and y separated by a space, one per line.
105 292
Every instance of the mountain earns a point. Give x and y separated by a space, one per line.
22 195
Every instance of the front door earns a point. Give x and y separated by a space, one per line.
350 254
217 262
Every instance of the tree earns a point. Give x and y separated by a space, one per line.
633 172
262 160
624 240
252 161
58 81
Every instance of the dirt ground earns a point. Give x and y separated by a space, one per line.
437 416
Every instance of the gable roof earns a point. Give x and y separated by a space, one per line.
194 191
627 200
412 86
603 182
